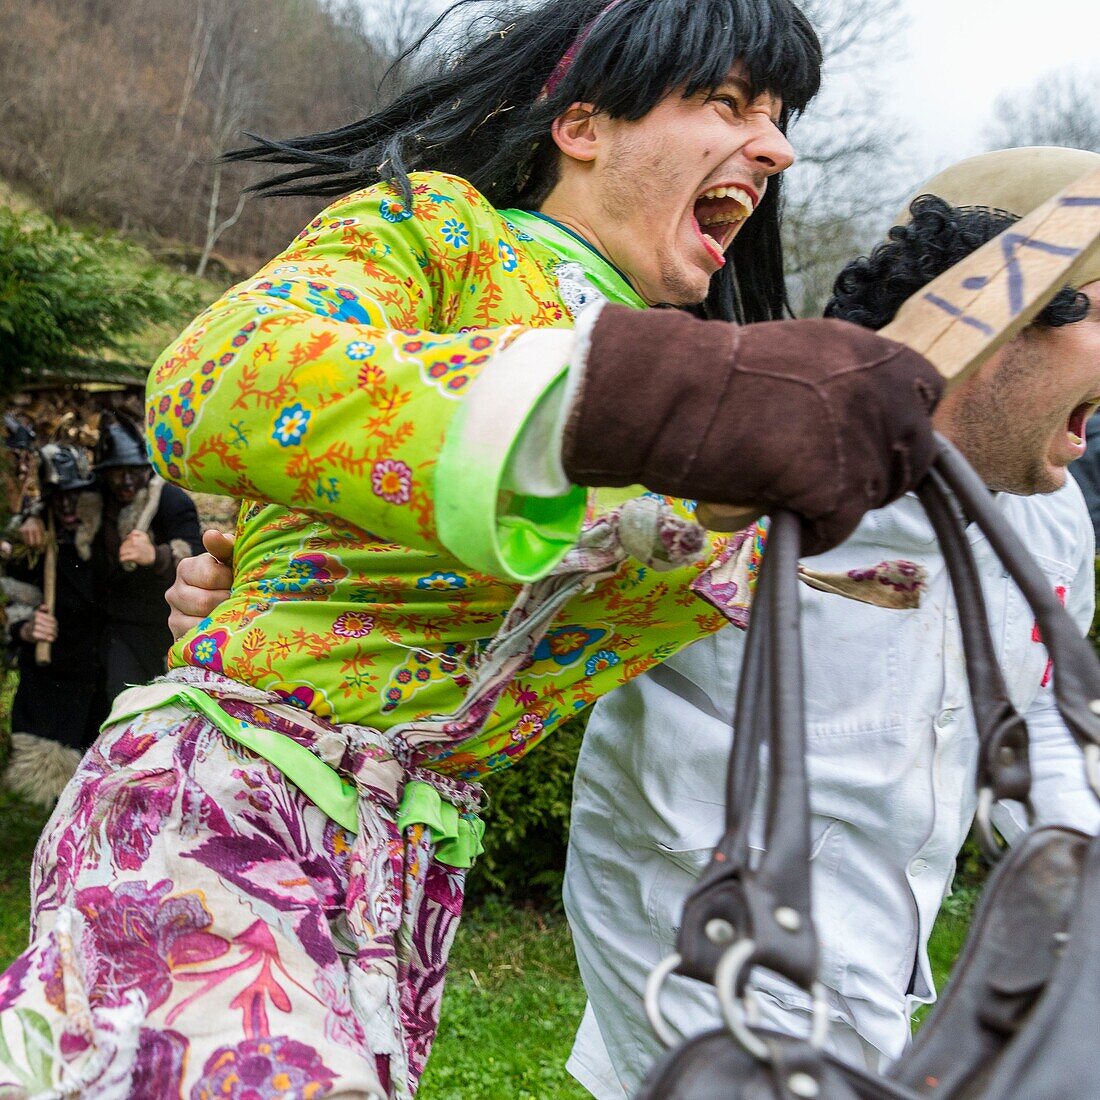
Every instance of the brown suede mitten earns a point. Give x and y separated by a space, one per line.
821 417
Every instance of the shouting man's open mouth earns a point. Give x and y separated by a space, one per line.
719 213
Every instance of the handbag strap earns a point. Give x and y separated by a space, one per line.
766 904
1076 669
742 914
1004 769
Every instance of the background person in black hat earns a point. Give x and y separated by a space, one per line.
148 528
58 706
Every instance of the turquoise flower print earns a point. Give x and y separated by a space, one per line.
507 256
605 658
393 210
205 650
359 350
169 449
455 233
526 238
328 489
340 303
441 582
291 425
309 573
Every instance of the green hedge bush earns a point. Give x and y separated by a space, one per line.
527 822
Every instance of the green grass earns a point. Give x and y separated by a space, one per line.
513 999
20 825
947 940
512 1006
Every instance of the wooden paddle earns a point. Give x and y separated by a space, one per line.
962 317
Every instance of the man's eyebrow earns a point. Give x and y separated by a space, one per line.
738 83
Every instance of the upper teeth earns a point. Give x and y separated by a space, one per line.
738 193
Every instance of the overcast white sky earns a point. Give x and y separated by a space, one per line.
963 53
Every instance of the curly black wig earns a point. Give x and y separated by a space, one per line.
483 116
870 290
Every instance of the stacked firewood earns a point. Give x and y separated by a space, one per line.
72 414
61 414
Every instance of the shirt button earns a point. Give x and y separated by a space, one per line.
918 867
945 718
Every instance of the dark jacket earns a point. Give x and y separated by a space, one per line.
136 638
63 701
1087 472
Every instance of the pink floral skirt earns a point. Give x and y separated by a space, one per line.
200 929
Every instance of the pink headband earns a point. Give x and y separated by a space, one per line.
566 63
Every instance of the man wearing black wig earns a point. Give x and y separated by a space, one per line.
412 399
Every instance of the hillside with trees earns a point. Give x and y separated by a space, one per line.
116 111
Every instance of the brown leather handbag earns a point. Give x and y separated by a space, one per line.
1021 1015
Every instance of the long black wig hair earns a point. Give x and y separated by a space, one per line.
484 116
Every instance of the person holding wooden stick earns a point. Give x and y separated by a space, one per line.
59 703
148 528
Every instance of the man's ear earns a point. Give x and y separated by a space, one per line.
576 132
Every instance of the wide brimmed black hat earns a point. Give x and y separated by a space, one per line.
18 436
121 443
63 468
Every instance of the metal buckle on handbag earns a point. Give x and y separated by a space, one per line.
992 844
738 1009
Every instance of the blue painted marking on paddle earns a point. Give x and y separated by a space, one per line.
944 304
981 326
954 310
1011 243
1079 200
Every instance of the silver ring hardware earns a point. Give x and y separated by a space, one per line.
653 986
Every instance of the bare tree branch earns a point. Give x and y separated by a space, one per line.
1061 108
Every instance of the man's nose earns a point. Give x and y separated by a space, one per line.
770 149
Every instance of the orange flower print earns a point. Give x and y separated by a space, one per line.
392 481
568 641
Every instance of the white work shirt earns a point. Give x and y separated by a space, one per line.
891 749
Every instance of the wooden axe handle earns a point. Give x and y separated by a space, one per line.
43 651
148 514
964 315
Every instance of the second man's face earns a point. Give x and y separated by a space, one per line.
1021 419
